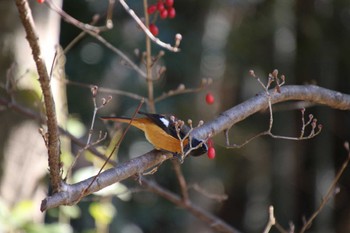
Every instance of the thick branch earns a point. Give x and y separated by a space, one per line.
71 194
258 103
53 139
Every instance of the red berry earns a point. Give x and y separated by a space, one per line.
153 29
160 6
211 153
163 14
172 13
209 98
151 9
40 1
169 3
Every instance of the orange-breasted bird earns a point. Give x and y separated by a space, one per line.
162 132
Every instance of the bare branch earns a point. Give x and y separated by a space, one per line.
71 194
148 33
53 139
81 35
214 222
94 32
272 220
89 145
258 103
273 77
181 180
213 196
104 102
34 115
115 147
107 90
330 192
149 79
181 89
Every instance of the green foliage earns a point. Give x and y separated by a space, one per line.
102 212
19 218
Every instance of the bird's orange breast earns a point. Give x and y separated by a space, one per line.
158 137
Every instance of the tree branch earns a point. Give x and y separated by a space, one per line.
53 144
330 192
72 194
214 222
311 93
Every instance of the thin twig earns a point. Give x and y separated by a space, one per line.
80 152
94 33
313 133
79 24
81 35
150 88
145 29
94 91
181 89
38 117
272 220
273 77
213 196
115 147
214 222
330 192
108 90
186 140
181 180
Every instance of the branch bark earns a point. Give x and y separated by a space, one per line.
71 194
310 93
53 145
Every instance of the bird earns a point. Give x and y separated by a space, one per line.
164 133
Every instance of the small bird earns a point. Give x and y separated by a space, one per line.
163 133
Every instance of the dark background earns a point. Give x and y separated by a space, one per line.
307 41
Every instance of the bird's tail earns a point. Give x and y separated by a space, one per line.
117 119
136 122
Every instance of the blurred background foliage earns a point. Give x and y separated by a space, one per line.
308 41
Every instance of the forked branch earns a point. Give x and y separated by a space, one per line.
279 81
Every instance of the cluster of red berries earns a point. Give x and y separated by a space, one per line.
165 9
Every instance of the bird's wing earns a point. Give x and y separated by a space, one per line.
162 121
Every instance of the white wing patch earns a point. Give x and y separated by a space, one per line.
164 121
